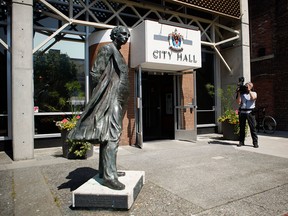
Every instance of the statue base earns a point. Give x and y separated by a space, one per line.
94 195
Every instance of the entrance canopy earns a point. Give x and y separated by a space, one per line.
164 47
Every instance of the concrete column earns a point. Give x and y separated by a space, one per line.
22 80
245 39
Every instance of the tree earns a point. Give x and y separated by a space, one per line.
55 81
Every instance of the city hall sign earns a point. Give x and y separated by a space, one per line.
165 47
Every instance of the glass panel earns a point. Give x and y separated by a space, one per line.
205 101
206 117
46 124
3 87
3 83
3 126
59 81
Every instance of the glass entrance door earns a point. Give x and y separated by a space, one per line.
185 107
158 110
165 106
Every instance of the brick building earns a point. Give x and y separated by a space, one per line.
269 51
168 97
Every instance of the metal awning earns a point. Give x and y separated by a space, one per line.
228 8
58 19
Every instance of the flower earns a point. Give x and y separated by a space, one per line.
67 123
230 116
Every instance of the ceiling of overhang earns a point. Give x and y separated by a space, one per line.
230 8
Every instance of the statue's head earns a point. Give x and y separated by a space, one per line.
120 34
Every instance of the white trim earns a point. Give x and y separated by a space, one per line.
262 58
4 44
206 125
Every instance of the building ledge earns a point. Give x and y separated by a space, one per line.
262 58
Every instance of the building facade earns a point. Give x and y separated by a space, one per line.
269 42
168 100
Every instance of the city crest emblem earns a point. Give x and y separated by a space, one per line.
175 41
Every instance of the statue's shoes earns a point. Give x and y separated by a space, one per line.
113 184
119 174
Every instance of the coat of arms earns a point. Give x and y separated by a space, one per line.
175 41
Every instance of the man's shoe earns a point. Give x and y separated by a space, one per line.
113 184
240 144
255 145
119 174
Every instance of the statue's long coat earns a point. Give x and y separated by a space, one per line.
102 118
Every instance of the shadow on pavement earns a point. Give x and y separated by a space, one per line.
78 177
219 142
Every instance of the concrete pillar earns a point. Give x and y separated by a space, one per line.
22 80
245 40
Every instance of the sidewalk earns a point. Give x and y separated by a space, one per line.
209 177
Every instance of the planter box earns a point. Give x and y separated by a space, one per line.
71 155
228 132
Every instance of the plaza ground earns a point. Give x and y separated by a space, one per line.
210 177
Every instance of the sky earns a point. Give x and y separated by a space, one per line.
72 49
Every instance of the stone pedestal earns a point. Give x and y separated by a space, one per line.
93 195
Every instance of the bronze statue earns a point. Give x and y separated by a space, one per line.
101 121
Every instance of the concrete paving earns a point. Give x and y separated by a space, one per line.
210 177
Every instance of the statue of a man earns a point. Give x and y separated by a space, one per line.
101 121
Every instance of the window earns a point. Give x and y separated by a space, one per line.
59 86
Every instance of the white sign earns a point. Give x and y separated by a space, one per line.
165 47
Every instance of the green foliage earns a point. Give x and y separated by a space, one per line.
211 89
230 116
74 89
227 96
55 82
79 148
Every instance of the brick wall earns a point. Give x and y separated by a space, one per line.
261 14
281 66
188 96
269 69
264 85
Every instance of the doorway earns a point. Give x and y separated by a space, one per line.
158 106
